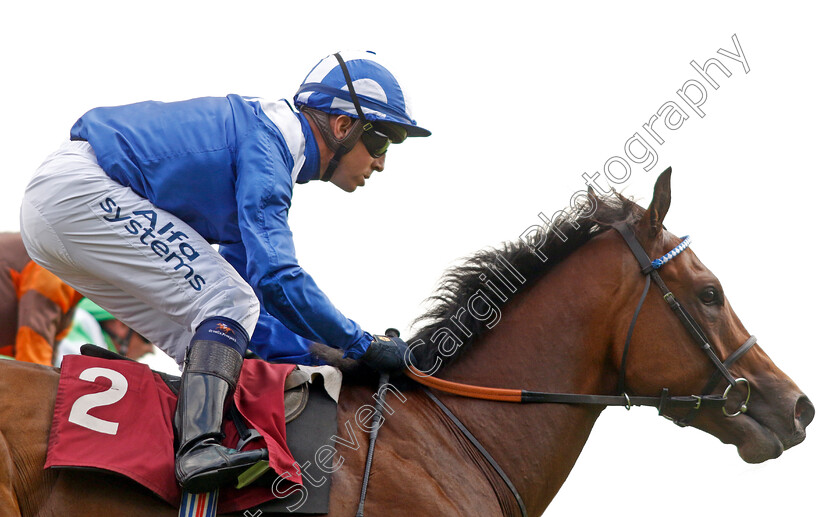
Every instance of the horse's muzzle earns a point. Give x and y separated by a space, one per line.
803 415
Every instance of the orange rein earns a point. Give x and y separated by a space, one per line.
464 390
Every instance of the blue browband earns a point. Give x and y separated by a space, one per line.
664 259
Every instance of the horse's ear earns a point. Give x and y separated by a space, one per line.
655 214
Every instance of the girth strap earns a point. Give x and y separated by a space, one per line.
480 449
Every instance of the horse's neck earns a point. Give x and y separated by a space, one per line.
555 338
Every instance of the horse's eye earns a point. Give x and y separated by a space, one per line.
710 296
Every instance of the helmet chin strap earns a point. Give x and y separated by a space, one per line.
344 146
339 147
360 125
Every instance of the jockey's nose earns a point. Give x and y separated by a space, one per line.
379 164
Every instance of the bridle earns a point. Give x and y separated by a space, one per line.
649 269
664 402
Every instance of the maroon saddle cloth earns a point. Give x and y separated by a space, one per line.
117 416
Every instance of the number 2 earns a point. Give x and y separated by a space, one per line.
79 411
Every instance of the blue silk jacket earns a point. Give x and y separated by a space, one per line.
227 166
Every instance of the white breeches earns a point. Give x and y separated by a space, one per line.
145 266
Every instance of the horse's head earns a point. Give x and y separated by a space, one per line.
662 353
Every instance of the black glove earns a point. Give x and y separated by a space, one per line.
387 354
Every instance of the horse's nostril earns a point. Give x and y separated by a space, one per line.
804 411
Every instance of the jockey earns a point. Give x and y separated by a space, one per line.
94 325
127 210
36 307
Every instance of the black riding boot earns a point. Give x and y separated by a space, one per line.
201 462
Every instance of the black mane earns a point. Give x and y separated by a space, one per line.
468 295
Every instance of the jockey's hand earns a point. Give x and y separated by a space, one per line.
387 354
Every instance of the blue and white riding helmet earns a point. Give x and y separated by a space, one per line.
379 94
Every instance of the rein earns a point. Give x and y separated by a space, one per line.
663 402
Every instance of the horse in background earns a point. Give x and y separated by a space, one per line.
36 307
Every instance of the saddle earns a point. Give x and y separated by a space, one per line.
310 410
295 392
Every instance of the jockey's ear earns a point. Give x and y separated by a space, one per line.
341 125
650 225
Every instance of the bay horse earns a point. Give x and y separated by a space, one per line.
565 313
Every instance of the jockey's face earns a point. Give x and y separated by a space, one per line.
133 345
357 165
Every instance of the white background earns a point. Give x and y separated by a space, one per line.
522 97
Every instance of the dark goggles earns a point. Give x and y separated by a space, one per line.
375 142
380 135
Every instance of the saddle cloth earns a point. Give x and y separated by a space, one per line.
117 416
